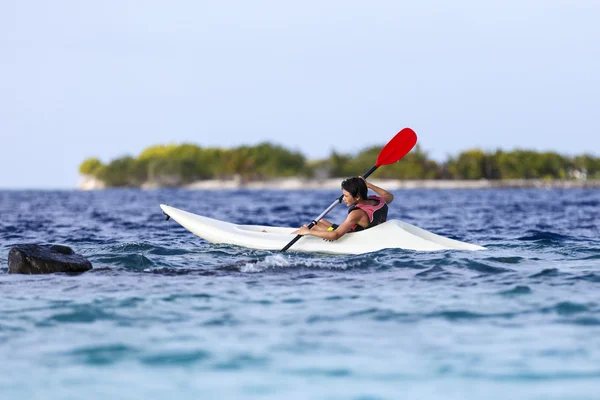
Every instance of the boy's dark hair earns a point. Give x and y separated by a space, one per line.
356 187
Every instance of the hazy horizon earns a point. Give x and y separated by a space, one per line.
82 80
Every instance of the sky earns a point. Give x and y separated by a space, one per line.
104 79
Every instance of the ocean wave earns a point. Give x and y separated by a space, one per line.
568 308
78 315
545 237
479 266
127 261
517 291
547 273
175 358
590 277
436 273
100 355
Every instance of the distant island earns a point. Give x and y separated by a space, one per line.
270 165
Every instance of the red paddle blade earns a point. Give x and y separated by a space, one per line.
397 148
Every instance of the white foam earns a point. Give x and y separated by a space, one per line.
280 261
273 261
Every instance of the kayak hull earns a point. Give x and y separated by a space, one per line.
393 234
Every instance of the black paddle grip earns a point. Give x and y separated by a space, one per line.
290 244
369 172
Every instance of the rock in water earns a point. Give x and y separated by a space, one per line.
40 259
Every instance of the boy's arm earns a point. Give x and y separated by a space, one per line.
387 196
340 231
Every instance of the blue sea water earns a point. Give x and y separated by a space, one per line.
165 315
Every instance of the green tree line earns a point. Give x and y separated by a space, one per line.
175 165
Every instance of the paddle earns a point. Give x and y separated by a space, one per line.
396 148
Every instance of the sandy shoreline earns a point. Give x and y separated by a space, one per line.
390 184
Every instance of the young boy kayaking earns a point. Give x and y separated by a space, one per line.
364 212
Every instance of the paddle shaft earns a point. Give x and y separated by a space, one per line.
324 213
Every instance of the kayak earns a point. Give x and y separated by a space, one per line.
393 234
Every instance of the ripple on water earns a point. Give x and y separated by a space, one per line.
435 273
127 261
547 273
506 260
102 355
517 291
242 361
481 267
175 358
545 237
79 315
567 308
591 277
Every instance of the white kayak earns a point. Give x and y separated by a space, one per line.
393 234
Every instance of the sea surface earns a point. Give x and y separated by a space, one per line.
166 315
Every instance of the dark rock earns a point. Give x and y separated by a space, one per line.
40 259
62 249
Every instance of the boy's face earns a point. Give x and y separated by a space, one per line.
348 199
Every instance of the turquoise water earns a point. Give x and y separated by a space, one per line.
167 315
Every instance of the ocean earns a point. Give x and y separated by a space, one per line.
166 315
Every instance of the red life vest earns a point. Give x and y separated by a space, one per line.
377 214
